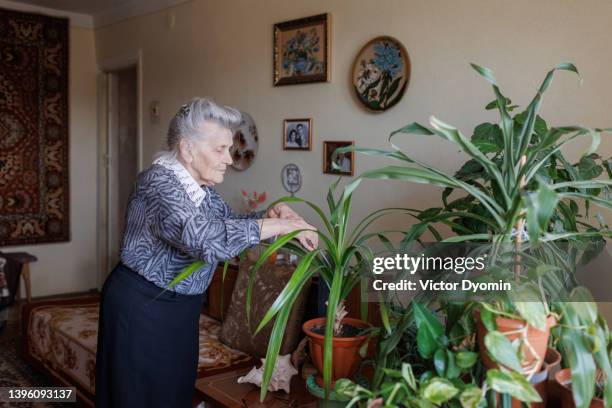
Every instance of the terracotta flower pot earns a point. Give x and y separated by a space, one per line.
563 379
552 362
345 350
539 381
537 338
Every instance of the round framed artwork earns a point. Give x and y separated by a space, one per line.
381 73
246 143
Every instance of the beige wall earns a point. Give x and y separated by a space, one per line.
71 266
224 50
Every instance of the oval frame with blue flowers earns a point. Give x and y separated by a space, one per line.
381 73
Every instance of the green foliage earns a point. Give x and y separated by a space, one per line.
515 170
488 197
341 260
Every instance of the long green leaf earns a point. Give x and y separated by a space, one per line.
582 184
332 304
414 129
318 210
425 176
507 125
532 110
580 360
269 250
186 272
454 135
530 169
302 273
274 345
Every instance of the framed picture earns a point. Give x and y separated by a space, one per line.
340 163
302 50
381 72
297 134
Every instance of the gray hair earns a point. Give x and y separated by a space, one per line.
187 122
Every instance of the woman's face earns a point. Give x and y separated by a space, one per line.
208 158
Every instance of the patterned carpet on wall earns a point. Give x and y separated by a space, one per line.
34 174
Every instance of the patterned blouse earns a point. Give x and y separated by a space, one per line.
171 222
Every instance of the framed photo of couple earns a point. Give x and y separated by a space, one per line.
297 134
342 164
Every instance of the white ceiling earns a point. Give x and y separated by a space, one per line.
78 6
92 13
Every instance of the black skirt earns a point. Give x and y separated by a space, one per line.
147 352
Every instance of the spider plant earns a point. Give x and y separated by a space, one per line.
341 261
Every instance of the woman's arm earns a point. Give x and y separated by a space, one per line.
270 227
209 239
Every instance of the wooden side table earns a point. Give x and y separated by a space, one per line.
223 390
24 259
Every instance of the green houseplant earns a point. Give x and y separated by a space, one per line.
341 261
518 186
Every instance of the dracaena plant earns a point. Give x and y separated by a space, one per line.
516 171
342 259
512 188
518 188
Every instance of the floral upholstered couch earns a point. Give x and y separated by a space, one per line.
60 338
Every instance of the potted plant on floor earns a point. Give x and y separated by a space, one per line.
341 261
518 190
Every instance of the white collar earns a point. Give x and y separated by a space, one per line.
192 188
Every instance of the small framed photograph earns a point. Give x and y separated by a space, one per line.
340 163
302 50
297 134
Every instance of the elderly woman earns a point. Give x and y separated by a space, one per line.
148 338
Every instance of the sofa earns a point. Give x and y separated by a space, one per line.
60 336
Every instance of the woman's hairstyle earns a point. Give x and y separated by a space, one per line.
187 122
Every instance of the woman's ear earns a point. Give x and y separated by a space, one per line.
185 150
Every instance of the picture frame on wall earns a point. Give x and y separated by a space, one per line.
302 50
342 164
297 134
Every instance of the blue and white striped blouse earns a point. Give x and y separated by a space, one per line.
171 222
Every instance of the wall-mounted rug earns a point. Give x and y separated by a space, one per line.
34 178
381 73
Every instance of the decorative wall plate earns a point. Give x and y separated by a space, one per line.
246 143
381 73
291 178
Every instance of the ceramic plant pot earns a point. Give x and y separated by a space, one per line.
537 338
563 380
345 350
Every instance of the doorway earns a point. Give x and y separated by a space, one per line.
123 149
120 159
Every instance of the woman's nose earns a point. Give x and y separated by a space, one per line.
228 158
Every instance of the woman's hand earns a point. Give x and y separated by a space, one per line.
270 227
309 238
282 210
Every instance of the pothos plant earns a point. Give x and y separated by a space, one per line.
436 366
518 189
